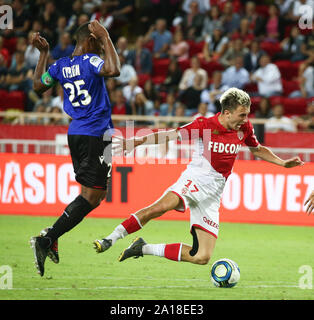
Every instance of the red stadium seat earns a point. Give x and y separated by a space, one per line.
195 47
289 86
287 69
262 9
149 45
275 100
158 79
16 100
255 104
160 67
142 78
271 48
4 99
184 64
294 106
251 87
211 67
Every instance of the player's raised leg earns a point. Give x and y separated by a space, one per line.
137 220
200 253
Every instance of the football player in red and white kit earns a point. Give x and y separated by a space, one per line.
200 186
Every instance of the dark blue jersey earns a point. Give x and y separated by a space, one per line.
85 99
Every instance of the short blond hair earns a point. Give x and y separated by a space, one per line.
234 97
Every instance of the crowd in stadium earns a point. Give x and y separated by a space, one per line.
177 57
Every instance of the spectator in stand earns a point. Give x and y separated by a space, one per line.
119 107
31 53
21 18
190 73
284 7
191 96
61 121
306 121
21 45
149 90
211 95
131 90
122 46
173 78
274 25
309 44
140 58
211 21
3 72
293 47
268 78
203 111
64 48
244 33
141 105
179 48
49 18
236 76
39 108
169 106
264 111
203 6
20 78
192 22
235 49
279 122
122 11
256 21
127 72
251 58
4 52
215 45
45 100
57 101
306 80
179 112
77 10
103 15
229 18
161 37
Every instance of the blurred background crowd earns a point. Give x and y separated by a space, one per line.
177 56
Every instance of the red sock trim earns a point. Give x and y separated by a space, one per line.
131 225
173 251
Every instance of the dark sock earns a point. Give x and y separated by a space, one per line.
73 214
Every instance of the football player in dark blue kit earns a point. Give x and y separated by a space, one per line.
86 101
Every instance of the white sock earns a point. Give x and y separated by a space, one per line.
154 249
118 233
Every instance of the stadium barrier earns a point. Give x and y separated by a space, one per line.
256 192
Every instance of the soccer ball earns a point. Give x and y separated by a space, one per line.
225 273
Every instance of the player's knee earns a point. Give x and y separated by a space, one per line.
202 259
96 199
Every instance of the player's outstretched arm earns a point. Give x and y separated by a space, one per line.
42 45
266 154
310 203
124 146
111 67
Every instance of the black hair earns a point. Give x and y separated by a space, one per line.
82 32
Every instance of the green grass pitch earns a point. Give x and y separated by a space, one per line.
269 258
